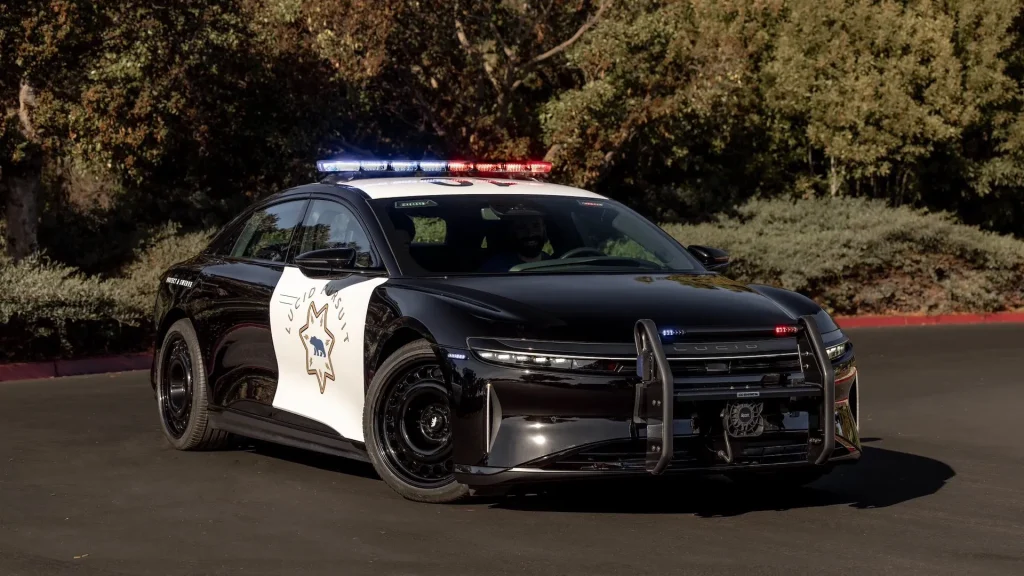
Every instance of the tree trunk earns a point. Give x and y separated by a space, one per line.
23 183
22 234
835 177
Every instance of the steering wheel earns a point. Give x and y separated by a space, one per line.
581 250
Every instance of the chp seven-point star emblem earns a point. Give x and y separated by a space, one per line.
318 341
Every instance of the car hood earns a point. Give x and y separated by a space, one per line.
605 308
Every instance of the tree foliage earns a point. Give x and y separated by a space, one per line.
447 76
667 115
871 88
681 108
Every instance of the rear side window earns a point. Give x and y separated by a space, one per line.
267 233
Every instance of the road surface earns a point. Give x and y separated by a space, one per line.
88 486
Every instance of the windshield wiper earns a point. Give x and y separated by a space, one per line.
587 261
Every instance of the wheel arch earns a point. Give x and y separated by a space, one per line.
401 332
173 315
797 304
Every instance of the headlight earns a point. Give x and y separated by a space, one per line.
836 351
535 360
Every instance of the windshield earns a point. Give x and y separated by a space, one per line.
484 234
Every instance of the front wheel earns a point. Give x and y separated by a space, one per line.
407 426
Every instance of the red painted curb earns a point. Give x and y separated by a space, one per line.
81 366
939 319
27 371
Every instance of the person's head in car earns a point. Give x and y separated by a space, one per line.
528 236
523 236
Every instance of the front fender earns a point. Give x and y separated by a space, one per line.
797 305
448 320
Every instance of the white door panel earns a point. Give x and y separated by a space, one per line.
318 327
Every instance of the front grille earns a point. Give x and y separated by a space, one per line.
763 370
772 365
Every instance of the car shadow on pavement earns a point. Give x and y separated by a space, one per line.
327 462
882 478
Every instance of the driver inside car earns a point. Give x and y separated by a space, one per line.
525 239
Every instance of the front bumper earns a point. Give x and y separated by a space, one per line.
512 425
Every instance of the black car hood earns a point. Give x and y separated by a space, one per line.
605 308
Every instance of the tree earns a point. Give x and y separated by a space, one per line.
452 77
867 89
667 114
981 174
197 111
186 106
43 48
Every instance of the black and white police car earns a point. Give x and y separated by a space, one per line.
467 324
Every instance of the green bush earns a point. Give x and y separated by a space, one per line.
140 279
857 256
49 310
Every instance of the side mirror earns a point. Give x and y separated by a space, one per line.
712 258
326 261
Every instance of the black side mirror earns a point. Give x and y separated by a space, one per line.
712 258
326 261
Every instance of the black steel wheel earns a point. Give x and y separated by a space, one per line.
181 392
414 425
407 426
175 388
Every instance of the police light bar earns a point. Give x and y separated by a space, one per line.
456 166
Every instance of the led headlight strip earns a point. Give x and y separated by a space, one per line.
527 360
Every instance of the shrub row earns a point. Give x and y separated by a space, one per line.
852 256
856 256
49 310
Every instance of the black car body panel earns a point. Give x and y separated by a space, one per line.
511 421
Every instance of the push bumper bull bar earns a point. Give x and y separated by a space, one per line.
657 393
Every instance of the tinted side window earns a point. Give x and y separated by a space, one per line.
224 242
331 225
267 233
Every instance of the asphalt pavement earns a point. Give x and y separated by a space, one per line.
89 486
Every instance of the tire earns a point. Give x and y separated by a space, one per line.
182 392
407 427
785 479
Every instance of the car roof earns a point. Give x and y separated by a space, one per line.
415 186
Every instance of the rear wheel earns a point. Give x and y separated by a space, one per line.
407 426
181 392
